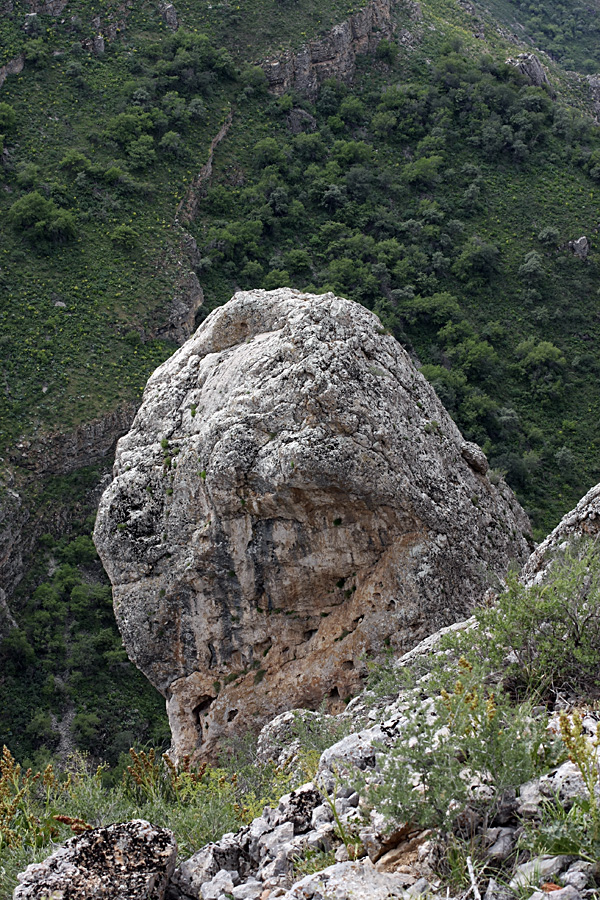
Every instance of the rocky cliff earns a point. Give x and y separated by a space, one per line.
334 55
60 453
291 495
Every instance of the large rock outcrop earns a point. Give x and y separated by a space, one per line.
291 494
530 66
334 55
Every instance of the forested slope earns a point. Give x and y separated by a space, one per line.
438 186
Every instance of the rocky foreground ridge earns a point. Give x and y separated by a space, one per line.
396 860
291 495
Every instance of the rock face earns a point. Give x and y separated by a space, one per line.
169 14
581 247
133 861
581 522
59 454
530 66
593 82
12 67
48 7
333 56
186 302
291 494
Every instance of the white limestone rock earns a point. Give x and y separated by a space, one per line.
291 494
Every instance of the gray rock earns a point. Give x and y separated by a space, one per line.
277 868
278 740
501 843
322 815
565 783
270 843
222 883
495 891
12 67
250 890
186 300
359 880
98 45
85 445
205 864
169 14
567 893
132 861
353 751
581 247
530 66
333 56
578 880
539 869
298 806
322 838
530 799
580 874
475 457
583 521
420 887
299 120
291 494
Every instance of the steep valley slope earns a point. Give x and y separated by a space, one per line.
157 159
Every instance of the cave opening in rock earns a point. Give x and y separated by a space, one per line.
201 709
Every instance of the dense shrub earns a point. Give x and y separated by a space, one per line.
40 218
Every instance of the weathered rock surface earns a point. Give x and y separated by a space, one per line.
291 494
59 453
581 247
581 522
359 880
333 56
48 7
397 859
593 82
12 67
132 861
530 66
187 300
169 14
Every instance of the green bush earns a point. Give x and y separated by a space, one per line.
38 217
141 152
8 118
126 237
463 746
546 637
387 51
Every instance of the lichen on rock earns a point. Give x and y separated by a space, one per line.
291 495
132 861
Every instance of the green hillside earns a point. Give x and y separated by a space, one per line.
441 189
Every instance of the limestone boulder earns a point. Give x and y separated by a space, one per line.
131 861
291 495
